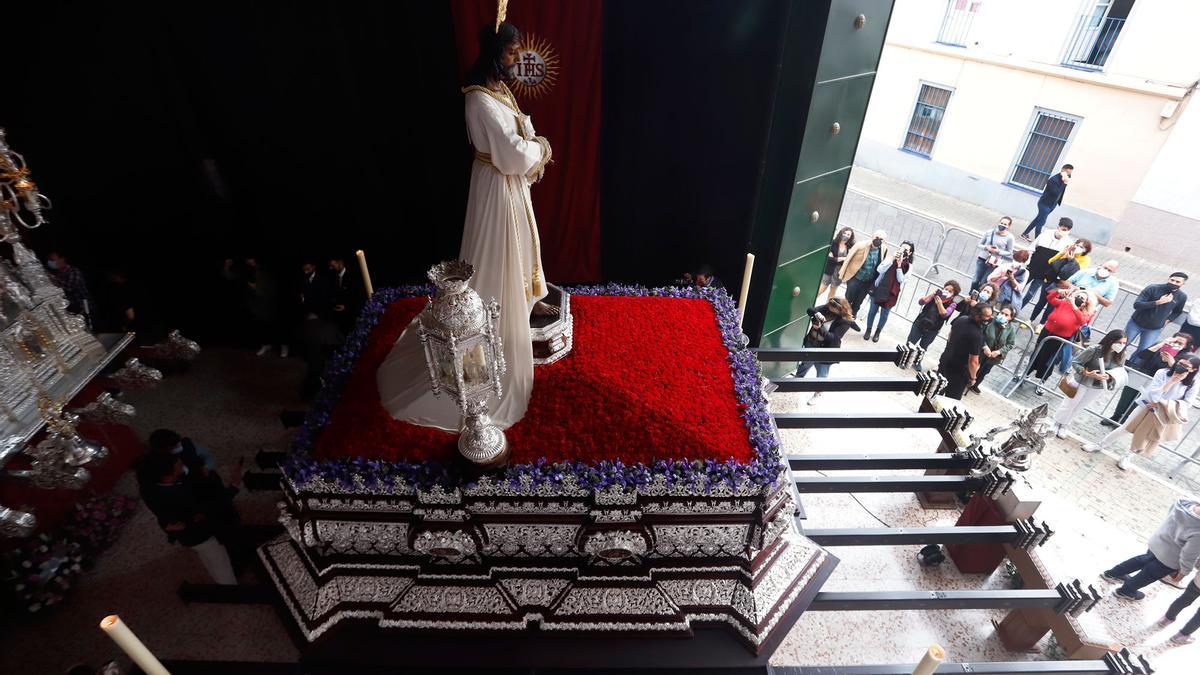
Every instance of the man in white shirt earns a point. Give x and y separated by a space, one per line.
1045 246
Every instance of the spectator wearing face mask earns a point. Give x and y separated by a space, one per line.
860 269
1155 307
936 309
1148 362
1094 371
887 288
995 248
1010 278
1046 246
839 248
999 336
1160 413
1070 312
1100 280
1061 267
960 360
986 294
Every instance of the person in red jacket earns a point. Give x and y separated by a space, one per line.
1071 310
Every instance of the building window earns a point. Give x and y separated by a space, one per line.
1048 137
1093 35
926 119
956 24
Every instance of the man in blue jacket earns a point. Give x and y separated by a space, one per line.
1052 196
1155 307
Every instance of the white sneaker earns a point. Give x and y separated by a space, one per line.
1091 447
1181 639
283 352
813 400
263 350
1126 462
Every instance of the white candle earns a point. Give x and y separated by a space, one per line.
131 645
745 288
933 658
362 265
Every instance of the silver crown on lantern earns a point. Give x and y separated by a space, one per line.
465 357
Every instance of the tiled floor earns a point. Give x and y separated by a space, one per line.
1101 515
230 401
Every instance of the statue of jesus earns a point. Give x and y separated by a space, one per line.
500 239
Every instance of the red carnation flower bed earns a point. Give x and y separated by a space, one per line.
646 380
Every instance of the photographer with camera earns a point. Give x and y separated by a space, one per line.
1060 269
859 269
887 288
827 326
1009 279
936 309
1071 311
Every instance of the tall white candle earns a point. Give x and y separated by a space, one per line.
362 266
933 658
131 645
745 288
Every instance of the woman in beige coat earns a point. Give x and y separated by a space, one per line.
1161 412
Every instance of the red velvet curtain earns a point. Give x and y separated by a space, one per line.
566 39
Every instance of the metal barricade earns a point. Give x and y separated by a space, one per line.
867 213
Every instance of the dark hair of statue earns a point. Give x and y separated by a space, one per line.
489 65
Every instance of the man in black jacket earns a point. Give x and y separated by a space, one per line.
348 294
1155 307
960 360
193 507
1052 196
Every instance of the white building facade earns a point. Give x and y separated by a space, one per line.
983 100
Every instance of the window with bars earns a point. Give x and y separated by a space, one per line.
926 119
1048 137
956 22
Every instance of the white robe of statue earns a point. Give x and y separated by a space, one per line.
500 239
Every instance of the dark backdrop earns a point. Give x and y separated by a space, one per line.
688 90
173 135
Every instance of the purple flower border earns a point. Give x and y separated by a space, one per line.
761 472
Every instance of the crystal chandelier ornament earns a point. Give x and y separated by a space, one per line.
466 359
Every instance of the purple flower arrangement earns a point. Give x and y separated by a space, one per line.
762 473
38 573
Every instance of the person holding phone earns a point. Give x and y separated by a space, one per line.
995 248
1155 307
936 309
1071 312
839 248
1094 370
1148 362
887 288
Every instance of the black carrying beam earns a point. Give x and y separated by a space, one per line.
881 461
974 667
826 355
820 484
900 536
789 385
240 594
857 601
255 481
858 420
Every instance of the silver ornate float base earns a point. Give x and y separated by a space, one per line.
610 564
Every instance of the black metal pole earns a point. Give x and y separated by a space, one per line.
855 601
789 385
817 484
860 421
899 536
881 461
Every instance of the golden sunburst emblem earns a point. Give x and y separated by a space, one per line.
536 69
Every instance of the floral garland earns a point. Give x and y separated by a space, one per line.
379 476
39 573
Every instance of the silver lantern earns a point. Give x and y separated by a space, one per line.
465 358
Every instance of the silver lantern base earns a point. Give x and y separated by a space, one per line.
481 442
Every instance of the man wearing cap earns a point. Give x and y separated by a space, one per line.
860 268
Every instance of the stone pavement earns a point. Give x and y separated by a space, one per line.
1135 272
